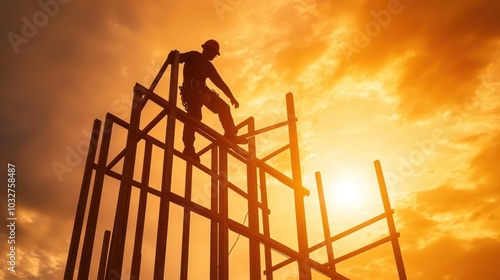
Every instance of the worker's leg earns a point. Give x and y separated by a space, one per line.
194 110
220 107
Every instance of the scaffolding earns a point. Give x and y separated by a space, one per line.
218 154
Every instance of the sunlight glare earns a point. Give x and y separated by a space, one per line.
347 191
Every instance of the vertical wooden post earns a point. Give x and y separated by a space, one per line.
214 206
326 224
304 267
88 241
265 224
223 214
119 232
390 221
253 205
141 213
104 256
161 239
82 202
186 224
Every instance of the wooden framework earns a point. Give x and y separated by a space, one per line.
218 150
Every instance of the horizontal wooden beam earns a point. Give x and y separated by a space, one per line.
266 129
363 249
351 230
277 152
333 238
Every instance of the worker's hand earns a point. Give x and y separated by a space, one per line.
235 103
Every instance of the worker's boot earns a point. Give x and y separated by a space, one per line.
190 152
235 139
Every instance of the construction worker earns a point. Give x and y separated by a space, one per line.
195 93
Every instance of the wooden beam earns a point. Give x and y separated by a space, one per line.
253 206
91 227
141 213
390 221
300 215
104 255
186 224
324 218
82 202
166 185
363 249
119 231
266 129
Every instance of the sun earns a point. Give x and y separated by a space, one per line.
347 191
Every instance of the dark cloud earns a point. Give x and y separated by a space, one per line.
450 258
52 87
445 47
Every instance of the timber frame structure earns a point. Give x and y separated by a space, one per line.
261 266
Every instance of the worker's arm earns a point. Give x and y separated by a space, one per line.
217 80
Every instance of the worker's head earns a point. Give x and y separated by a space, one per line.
211 49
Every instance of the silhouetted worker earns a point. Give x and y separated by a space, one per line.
195 93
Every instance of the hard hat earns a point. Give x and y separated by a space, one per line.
211 44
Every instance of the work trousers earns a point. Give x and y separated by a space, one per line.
194 105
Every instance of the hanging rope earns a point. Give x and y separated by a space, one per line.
236 241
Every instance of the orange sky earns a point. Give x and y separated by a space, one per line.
414 84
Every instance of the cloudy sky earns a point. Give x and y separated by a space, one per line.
412 83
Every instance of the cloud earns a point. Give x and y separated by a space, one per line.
450 258
40 245
445 46
454 225
426 240
447 229
483 165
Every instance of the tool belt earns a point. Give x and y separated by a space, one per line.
192 90
193 85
